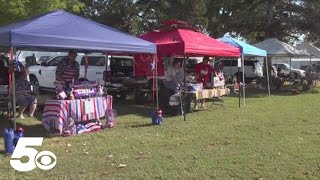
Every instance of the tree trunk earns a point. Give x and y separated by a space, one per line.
270 16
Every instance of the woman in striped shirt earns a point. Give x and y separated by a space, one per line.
24 97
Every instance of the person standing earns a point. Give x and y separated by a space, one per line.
203 73
310 74
218 72
311 69
68 69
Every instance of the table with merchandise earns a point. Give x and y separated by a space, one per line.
81 112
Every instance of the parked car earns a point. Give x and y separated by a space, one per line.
284 68
118 69
252 69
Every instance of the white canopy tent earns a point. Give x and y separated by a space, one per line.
276 48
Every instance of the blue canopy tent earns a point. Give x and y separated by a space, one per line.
246 50
60 31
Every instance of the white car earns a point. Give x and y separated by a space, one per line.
284 68
252 69
112 71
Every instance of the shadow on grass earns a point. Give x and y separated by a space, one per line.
128 107
253 92
30 130
141 125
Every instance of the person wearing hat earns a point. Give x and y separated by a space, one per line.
68 69
203 73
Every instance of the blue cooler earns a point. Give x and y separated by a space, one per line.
8 140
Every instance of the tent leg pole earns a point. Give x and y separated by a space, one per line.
13 88
243 83
268 78
184 90
290 69
310 61
238 81
157 88
105 75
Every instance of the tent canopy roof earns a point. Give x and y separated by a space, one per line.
187 42
246 49
310 49
276 48
60 30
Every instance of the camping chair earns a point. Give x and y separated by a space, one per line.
217 99
237 89
4 100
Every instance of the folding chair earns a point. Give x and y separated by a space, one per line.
4 100
217 99
237 89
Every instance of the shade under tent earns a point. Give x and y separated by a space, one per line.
60 31
177 39
246 50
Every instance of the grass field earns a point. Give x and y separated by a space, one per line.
269 140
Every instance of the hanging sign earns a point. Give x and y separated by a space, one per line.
239 62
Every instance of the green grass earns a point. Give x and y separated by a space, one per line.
269 140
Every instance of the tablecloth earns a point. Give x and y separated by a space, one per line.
210 93
56 112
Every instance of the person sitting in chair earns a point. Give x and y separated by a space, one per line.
24 97
174 76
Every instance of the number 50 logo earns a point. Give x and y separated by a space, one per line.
44 160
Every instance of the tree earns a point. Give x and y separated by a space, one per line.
310 23
15 10
138 16
123 15
189 11
254 20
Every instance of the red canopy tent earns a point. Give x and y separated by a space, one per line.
175 38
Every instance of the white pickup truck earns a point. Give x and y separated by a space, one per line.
114 68
285 68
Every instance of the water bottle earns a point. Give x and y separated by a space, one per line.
110 117
156 117
8 140
98 93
